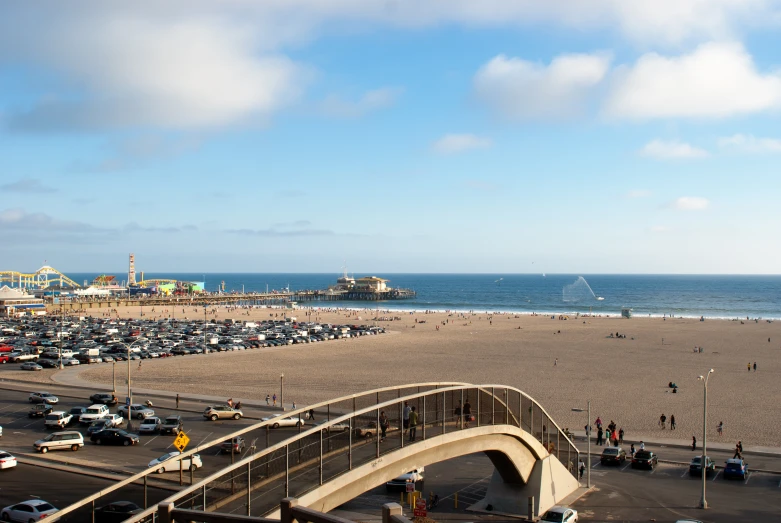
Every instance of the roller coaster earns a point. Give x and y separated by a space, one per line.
42 278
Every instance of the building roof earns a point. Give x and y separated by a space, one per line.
371 278
9 294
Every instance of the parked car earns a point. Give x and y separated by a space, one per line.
613 455
98 425
7 461
94 412
150 425
33 510
216 412
292 421
137 411
335 427
76 412
235 445
106 398
400 483
114 437
116 420
57 419
43 397
169 463
116 512
695 466
171 425
30 365
561 515
645 459
69 439
736 468
49 364
39 410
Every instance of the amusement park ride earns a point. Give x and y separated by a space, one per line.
40 279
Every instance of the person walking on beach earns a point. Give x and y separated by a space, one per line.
672 422
268 400
720 428
598 423
662 421
694 443
621 435
755 366
274 397
599 436
413 424
748 366
177 402
405 416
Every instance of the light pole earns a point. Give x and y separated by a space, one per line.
127 347
282 390
588 438
62 313
703 464
113 377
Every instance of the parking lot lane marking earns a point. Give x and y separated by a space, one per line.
717 475
150 441
626 467
31 423
748 477
204 439
684 473
595 465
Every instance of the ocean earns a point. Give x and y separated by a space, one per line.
656 295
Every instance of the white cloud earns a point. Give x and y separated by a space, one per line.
370 101
521 89
717 79
746 143
667 150
690 203
639 193
456 143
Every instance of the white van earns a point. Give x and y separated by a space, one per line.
69 439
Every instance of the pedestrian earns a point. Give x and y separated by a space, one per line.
598 422
615 438
384 423
599 436
311 414
755 366
556 362
413 424
467 413
608 436
230 402
632 451
694 443
672 422
642 445
457 412
177 402
294 405
662 421
274 397
748 366
581 468
268 400
621 435
405 416
738 451
139 364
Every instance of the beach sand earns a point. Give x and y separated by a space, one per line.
626 379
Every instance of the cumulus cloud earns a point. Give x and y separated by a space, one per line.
717 79
521 89
690 203
669 150
746 143
27 185
457 143
370 101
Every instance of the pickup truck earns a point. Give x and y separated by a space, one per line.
18 357
94 412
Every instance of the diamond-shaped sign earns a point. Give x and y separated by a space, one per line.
181 441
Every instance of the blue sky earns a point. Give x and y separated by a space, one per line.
499 136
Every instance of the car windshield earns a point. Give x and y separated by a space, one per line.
93 411
610 451
643 454
149 421
733 465
98 423
553 516
172 420
165 457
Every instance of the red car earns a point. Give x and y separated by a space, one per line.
3 358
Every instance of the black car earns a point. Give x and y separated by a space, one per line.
106 398
645 459
235 445
49 364
97 426
171 425
76 412
613 455
40 410
114 437
116 512
695 466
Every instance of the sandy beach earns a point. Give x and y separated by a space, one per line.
560 362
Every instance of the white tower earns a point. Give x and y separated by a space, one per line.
131 273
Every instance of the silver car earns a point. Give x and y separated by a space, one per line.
216 412
150 425
137 411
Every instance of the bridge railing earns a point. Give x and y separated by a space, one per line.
136 488
304 462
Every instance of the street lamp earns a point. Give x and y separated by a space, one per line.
588 438
127 347
282 390
703 503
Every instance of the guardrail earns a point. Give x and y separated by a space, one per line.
127 489
321 453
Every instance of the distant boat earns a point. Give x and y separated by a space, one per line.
543 274
600 298
499 281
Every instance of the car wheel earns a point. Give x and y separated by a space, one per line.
6 517
126 443
192 467
236 416
275 426
97 442
140 416
367 435
213 417
74 448
44 450
161 470
31 521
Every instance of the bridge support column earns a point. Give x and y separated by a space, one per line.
549 483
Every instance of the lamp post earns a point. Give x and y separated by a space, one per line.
282 390
62 313
127 347
113 377
588 438
703 464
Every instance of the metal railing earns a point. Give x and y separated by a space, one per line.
257 436
316 455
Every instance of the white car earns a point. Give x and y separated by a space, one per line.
70 361
43 397
7 461
400 483
115 419
58 419
169 463
32 510
285 422
94 412
150 425
336 427
561 515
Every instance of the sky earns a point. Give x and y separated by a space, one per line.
500 136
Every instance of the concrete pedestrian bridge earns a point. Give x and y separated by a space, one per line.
342 456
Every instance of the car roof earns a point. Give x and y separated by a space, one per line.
735 461
35 502
558 509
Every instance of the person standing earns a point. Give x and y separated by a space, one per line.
755 366
268 400
467 410
608 436
581 468
383 425
672 422
642 445
720 428
632 451
177 402
274 398
621 435
748 366
413 424
694 443
405 416
662 421
598 422
599 436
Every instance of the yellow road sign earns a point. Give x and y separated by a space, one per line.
181 441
